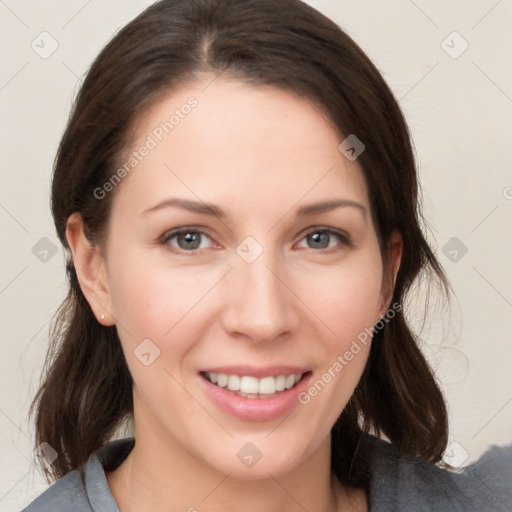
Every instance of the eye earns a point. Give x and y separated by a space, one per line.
320 238
187 239
190 239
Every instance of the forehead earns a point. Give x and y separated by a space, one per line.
228 141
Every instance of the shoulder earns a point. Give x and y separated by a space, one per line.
488 481
85 489
67 494
405 483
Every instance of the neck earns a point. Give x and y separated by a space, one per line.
159 475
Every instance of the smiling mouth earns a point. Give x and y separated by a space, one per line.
251 387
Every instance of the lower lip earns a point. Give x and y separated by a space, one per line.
255 409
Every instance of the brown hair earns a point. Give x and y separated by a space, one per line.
87 388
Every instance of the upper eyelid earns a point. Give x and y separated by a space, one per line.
173 232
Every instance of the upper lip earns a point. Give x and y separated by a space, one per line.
257 371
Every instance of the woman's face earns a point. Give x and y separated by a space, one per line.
263 282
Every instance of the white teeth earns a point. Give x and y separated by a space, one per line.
222 380
280 382
267 386
290 381
251 387
234 382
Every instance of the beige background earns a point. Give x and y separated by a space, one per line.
459 110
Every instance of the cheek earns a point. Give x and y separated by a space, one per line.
150 299
348 302
346 299
155 303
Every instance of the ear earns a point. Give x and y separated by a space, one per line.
395 248
90 269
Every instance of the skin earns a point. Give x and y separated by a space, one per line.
258 153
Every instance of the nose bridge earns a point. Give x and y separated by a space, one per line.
262 307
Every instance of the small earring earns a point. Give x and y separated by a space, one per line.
103 317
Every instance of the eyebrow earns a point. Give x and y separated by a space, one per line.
213 210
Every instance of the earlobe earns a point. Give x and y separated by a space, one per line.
90 269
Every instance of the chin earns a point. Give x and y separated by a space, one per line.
255 460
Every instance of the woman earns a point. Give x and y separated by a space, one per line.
237 193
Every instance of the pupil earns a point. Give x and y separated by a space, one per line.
316 238
191 240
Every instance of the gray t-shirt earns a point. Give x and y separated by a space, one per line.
397 484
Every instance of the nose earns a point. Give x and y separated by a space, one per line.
261 305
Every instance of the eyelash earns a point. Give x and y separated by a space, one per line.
344 238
